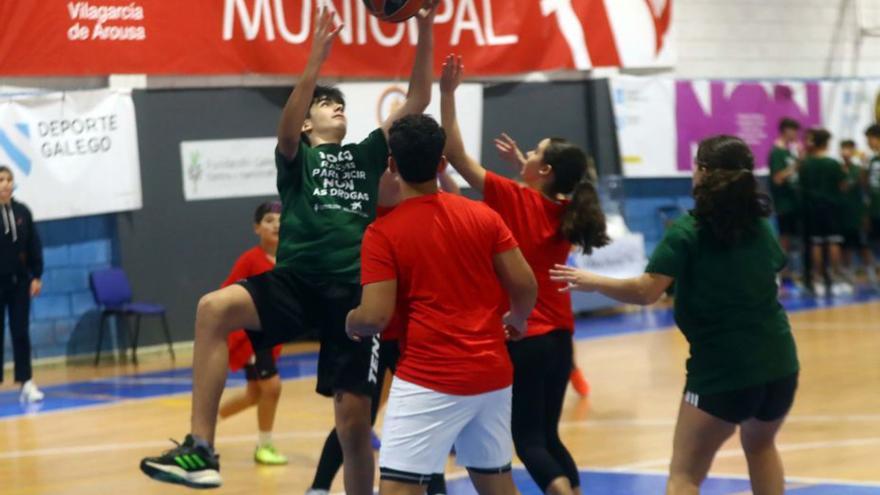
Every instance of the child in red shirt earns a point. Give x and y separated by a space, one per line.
557 207
442 263
263 383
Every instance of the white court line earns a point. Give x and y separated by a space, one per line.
116 447
794 447
670 422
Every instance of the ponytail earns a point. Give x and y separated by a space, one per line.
728 200
583 222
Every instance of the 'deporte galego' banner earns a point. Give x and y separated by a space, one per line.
495 37
73 153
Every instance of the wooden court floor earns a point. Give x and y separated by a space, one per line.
624 426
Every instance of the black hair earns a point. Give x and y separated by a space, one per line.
820 138
583 222
326 93
847 143
788 123
416 143
265 208
873 131
5 168
728 200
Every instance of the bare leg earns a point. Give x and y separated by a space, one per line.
493 484
818 264
560 486
270 393
698 436
765 465
387 487
240 402
219 313
353 428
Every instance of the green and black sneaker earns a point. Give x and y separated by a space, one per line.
187 464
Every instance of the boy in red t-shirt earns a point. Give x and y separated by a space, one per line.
263 382
443 261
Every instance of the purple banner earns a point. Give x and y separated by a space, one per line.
751 111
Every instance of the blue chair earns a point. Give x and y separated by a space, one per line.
113 295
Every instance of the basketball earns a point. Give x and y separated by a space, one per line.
394 10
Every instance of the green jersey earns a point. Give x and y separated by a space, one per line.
821 178
874 186
726 305
853 209
328 196
786 196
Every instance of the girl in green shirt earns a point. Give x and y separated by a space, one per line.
743 367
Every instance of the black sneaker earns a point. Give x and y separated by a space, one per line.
187 464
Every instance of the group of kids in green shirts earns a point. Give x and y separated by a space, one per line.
722 260
829 206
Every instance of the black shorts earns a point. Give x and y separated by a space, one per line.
766 402
822 223
855 239
875 229
289 304
261 366
788 224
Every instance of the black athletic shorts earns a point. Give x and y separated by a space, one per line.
855 239
788 224
261 366
766 402
288 304
875 229
822 223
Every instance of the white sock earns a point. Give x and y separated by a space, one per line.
265 438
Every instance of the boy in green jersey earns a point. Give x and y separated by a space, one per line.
854 214
784 187
743 366
822 183
872 186
328 194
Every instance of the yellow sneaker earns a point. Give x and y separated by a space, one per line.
266 454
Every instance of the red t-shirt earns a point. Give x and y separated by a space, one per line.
440 248
253 262
534 221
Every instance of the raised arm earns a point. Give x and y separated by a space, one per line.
509 151
297 106
470 169
643 290
418 96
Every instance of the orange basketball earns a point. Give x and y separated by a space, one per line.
394 10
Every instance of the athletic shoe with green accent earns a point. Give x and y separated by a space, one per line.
266 454
187 464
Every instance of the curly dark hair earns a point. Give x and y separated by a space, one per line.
583 222
728 199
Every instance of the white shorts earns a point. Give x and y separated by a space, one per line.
422 425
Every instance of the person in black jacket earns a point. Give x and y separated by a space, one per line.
21 266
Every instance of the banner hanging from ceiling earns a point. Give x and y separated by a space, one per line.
203 37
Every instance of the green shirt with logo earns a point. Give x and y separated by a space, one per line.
874 186
820 178
786 196
853 210
726 305
329 196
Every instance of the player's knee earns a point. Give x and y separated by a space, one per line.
270 389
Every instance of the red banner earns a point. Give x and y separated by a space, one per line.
496 37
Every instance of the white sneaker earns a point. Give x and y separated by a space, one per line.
30 392
842 289
312 491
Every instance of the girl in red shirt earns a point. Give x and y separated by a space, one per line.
555 208
263 383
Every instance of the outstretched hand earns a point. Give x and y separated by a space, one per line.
573 279
508 150
453 69
425 17
325 32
